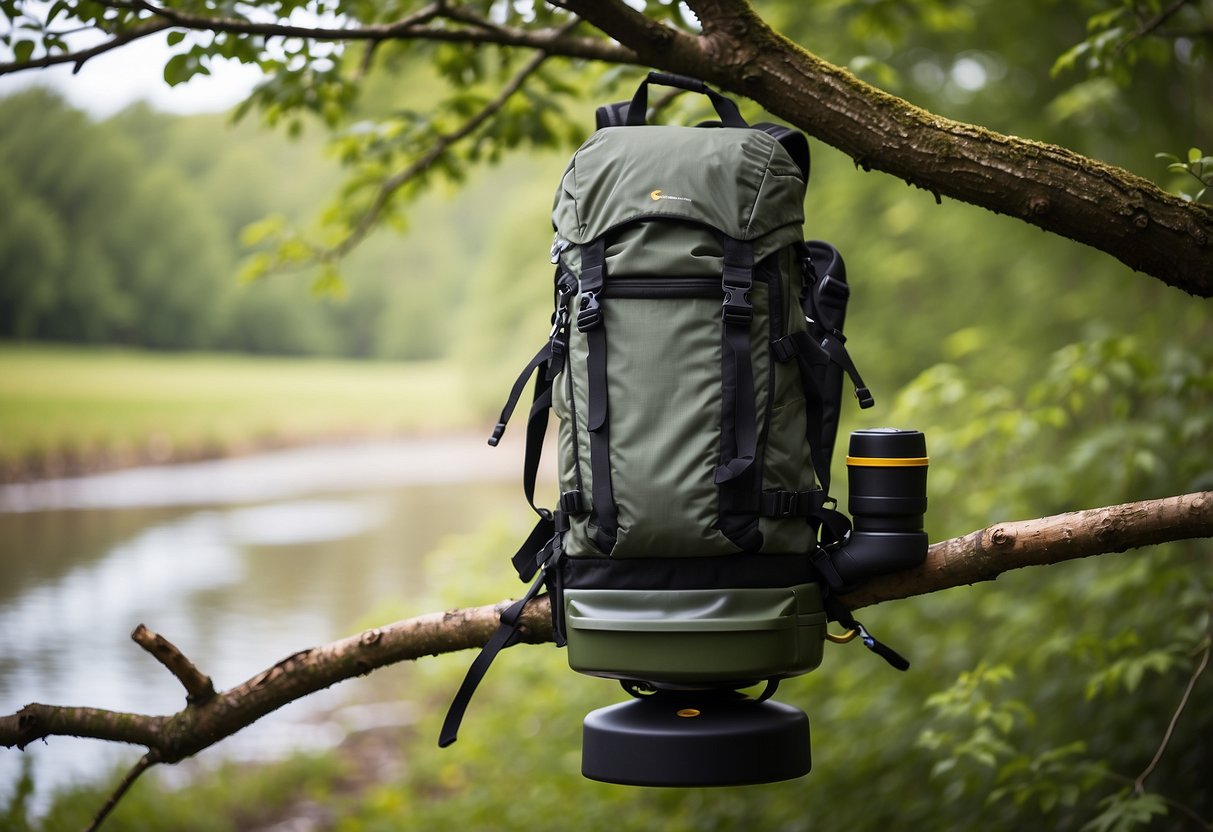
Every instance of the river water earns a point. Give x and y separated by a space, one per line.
238 562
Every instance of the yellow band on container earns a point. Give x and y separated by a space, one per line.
888 462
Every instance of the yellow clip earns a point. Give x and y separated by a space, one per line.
842 638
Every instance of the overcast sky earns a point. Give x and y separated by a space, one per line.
134 72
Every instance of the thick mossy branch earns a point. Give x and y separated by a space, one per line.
1051 187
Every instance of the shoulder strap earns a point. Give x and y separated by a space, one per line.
824 301
504 636
793 141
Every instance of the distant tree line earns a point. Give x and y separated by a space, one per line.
128 231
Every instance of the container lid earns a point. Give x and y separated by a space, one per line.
878 443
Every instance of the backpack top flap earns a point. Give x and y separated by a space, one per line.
739 181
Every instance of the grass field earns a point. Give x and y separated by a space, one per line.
72 409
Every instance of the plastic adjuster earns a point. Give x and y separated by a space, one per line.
560 349
571 502
498 431
736 314
589 315
784 349
785 503
864 396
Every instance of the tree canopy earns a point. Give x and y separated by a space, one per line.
317 55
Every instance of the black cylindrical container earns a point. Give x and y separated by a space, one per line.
887 486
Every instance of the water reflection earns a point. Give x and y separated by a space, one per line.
239 563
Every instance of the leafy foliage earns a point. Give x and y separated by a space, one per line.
1196 165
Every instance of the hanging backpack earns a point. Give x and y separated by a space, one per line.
695 365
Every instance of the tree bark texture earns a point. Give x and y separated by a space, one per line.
208 717
1048 186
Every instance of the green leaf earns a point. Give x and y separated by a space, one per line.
1194 155
1104 19
23 50
175 37
262 230
177 70
329 283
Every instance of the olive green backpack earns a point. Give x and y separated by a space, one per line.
695 365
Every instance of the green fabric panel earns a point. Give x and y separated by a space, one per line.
739 181
695 635
664 387
667 249
569 393
787 463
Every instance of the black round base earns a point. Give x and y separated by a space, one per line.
695 738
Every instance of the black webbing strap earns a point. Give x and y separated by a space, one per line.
537 422
536 428
834 345
612 115
832 584
598 423
502 637
838 612
781 504
825 303
739 418
526 559
541 357
637 109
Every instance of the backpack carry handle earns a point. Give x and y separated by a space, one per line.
730 116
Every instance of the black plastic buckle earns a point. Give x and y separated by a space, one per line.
572 503
783 349
560 349
785 503
865 397
589 315
737 310
737 314
498 432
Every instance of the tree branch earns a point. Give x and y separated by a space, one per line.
419 166
980 556
145 762
79 57
986 554
473 30
1045 185
198 686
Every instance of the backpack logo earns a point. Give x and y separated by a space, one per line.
659 194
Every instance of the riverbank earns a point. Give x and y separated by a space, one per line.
69 411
